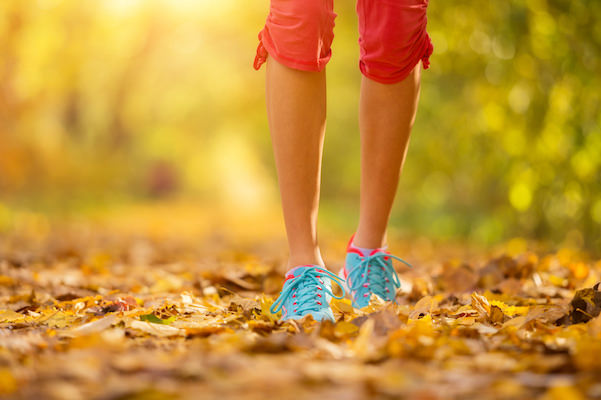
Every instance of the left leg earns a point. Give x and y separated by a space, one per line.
393 41
386 116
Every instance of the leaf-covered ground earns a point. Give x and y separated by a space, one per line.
89 313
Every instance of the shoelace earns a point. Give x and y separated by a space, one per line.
307 289
382 273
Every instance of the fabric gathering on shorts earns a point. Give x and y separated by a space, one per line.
392 36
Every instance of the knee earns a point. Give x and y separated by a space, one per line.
392 64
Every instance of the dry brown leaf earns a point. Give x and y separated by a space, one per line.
424 306
93 326
156 329
509 341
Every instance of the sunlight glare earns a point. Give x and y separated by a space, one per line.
206 7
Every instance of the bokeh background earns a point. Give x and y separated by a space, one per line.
116 102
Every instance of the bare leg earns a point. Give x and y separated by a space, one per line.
386 116
296 111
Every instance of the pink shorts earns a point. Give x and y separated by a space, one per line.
392 36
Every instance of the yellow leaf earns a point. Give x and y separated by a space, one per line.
422 326
345 329
496 315
61 320
588 354
425 305
481 304
266 304
8 383
9 316
361 346
579 269
558 281
563 393
6 280
166 284
510 310
342 305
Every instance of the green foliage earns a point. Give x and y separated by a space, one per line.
156 320
105 100
508 139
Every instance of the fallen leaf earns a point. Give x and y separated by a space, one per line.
585 305
156 320
457 278
157 329
424 306
93 327
345 329
8 383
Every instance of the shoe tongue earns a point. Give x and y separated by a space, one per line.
296 271
365 251
356 249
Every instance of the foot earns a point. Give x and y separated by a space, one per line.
368 274
307 290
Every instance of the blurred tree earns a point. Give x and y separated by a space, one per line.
110 100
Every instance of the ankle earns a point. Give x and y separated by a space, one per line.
369 241
310 258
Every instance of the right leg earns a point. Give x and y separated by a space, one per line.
296 43
296 111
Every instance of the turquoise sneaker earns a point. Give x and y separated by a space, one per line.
307 290
368 274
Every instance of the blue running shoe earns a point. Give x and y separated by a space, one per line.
368 274
307 290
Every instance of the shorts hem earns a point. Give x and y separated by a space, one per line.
388 80
425 59
269 50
